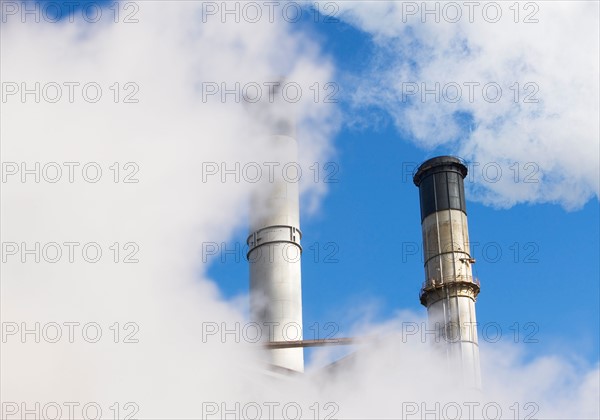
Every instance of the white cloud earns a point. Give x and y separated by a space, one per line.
169 214
558 54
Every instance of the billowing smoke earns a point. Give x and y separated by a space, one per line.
113 182
135 155
511 87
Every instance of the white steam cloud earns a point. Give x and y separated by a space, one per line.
541 130
165 299
160 130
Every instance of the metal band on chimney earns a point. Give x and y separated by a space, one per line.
273 235
433 291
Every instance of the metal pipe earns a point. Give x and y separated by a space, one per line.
274 249
449 291
342 341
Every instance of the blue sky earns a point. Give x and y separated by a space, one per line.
537 263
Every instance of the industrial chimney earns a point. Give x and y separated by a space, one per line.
449 291
274 248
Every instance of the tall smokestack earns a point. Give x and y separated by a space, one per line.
449 291
274 243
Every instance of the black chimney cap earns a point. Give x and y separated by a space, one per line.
440 164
